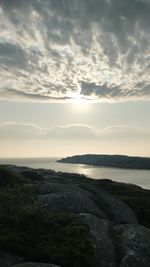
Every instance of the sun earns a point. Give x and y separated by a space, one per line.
79 103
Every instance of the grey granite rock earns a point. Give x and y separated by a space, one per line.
101 240
116 210
7 259
72 201
117 238
34 264
133 245
53 187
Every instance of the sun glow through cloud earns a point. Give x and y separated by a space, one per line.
74 77
49 49
79 103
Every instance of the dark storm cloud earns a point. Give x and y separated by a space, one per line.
96 48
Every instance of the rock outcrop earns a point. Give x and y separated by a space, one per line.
74 202
134 245
102 241
8 259
116 210
35 264
88 199
117 237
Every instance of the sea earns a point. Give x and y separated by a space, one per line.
137 177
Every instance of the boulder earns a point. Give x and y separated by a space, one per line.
118 245
71 201
101 240
53 187
133 245
116 210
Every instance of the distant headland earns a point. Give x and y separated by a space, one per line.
116 161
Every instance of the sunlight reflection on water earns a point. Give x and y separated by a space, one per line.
138 177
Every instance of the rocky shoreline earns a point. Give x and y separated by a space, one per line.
115 214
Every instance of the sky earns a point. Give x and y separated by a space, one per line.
74 77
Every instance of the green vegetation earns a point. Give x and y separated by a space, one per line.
33 232
9 178
140 204
31 174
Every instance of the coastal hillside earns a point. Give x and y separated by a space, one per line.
50 218
117 161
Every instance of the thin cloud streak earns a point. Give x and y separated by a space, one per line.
23 130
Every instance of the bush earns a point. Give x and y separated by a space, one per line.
8 178
38 235
32 175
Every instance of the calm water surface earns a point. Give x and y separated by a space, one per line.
138 177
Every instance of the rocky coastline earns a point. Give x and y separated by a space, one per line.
53 219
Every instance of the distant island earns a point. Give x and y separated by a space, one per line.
116 161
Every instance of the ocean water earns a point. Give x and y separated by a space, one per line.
138 177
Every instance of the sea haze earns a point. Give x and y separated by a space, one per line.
138 177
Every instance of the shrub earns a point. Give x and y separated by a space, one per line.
38 235
8 178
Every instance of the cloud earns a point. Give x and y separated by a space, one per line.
84 132
12 55
21 130
124 131
99 49
18 130
16 94
81 132
72 131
